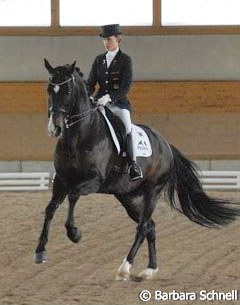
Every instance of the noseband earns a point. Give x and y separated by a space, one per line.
70 117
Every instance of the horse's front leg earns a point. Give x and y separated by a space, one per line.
72 232
58 195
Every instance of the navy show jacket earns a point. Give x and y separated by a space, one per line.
114 80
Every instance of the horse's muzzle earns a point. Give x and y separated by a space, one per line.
55 125
58 131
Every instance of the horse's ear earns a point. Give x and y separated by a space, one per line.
48 66
72 67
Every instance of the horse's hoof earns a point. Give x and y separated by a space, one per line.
40 257
74 235
122 277
148 273
123 273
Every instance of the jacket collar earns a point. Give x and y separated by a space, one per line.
115 59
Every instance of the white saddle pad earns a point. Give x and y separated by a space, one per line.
141 141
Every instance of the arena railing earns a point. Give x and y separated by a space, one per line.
24 181
220 180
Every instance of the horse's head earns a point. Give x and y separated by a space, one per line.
62 95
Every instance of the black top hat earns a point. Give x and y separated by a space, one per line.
110 30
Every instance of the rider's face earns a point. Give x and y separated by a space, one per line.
111 43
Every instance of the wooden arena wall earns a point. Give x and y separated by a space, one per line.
200 118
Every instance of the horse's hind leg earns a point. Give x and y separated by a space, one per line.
58 195
152 268
129 203
72 232
140 213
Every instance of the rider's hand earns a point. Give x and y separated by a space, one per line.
102 101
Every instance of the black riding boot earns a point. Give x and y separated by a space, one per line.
134 170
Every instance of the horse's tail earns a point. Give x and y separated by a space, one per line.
185 193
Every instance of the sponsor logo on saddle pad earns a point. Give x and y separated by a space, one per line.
141 141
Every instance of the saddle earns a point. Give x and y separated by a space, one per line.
117 131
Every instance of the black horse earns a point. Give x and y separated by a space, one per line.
86 162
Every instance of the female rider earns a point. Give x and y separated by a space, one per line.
112 73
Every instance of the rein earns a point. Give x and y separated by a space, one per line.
81 116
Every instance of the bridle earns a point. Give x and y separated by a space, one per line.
76 118
62 83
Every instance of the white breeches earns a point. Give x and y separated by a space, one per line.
125 117
123 114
